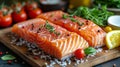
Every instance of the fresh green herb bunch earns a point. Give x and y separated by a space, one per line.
97 15
108 3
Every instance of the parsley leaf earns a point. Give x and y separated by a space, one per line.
50 28
64 16
73 19
90 50
8 57
98 16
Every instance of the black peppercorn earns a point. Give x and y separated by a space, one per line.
38 30
98 31
79 28
68 34
22 26
32 26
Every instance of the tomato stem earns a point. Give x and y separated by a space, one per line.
18 9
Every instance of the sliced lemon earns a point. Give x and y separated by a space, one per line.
113 39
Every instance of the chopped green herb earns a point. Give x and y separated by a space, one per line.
73 19
50 28
80 24
57 33
64 16
8 57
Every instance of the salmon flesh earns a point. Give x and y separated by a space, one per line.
51 38
91 32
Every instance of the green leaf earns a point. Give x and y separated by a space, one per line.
8 57
90 50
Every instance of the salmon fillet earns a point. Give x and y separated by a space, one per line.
51 38
92 33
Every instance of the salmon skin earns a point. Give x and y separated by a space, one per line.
92 33
45 35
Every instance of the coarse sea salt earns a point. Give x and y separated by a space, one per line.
32 47
106 51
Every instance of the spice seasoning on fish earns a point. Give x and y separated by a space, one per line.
52 15
57 33
98 31
50 28
32 26
38 30
64 16
80 24
41 26
68 34
22 26
79 27
72 18
87 22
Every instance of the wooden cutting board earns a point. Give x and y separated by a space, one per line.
21 51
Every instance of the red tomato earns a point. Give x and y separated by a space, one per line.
6 20
0 13
34 13
79 53
30 6
20 16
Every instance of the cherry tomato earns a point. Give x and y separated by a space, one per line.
79 53
34 13
6 20
19 16
0 13
30 6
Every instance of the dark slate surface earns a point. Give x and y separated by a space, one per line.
20 63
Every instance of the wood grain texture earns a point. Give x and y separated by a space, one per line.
21 51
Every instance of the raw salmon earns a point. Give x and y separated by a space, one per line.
51 38
92 33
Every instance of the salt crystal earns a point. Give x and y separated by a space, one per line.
106 51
